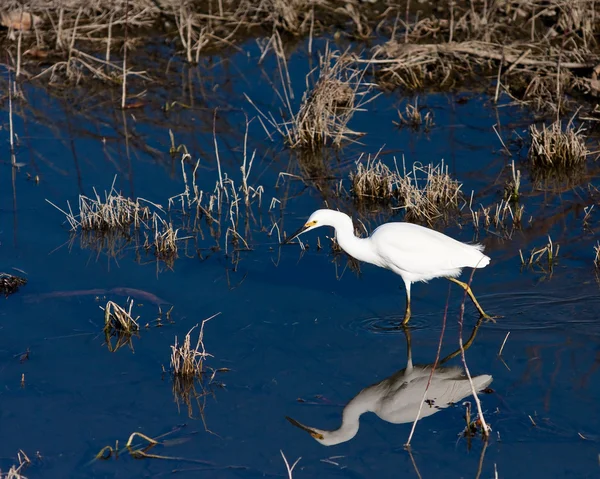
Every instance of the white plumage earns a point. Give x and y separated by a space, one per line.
414 252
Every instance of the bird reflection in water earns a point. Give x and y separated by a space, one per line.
397 398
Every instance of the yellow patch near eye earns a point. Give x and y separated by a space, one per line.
310 223
316 435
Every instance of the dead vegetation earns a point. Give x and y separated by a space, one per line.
71 40
414 118
425 194
545 257
10 283
16 472
113 213
373 182
507 215
597 257
119 323
555 148
327 105
557 156
535 51
188 372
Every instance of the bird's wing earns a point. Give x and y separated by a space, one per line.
422 251
448 386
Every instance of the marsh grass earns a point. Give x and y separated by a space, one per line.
373 182
10 283
164 241
119 323
327 105
597 257
187 361
428 193
534 54
114 212
188 370
556 149
504 216
543 257
414 118
425 193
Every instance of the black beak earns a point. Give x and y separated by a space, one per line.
301 426
295 235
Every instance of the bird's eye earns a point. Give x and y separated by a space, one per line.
316 435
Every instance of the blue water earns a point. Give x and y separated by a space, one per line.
298 337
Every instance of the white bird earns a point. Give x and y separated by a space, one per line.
414 252
397 399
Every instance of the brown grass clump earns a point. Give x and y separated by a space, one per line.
119 323
327 106
10 284
164 243
428 193
555 148
187 370
373 182
556 155
113 213
413 118
187 361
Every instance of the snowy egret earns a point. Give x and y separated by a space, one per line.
397 398
414 252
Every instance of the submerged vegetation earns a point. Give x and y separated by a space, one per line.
10 283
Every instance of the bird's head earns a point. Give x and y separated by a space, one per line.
322 437
321 218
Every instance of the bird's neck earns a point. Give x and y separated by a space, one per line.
359 248
363 402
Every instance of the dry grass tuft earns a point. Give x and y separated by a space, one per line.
119 323
428 193
164 243
413 118
187 362
10 284
553 148
597 258
113 213
557 157
327 106
373 182
187 371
